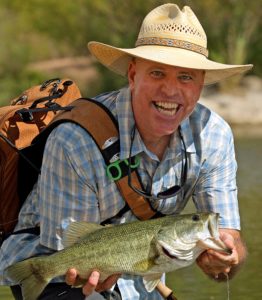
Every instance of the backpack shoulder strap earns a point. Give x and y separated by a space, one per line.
99 122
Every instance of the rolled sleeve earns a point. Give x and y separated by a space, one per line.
216 188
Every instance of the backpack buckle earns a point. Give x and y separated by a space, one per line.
109 142
25 115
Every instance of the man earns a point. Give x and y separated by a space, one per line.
179 142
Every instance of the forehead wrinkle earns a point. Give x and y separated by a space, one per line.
149 65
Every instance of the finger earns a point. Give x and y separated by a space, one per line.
231 259
108 283
91 284
228 239
71 276
220 262
211 265
204 262
205 258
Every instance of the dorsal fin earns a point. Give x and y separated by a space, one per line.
77 230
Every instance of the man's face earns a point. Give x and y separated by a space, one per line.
162 96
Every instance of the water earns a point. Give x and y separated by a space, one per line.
190 283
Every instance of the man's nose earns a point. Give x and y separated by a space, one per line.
171 86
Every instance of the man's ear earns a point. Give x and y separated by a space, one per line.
131 73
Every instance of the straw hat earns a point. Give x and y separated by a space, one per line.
169 36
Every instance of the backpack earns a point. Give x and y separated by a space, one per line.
20 122
24 128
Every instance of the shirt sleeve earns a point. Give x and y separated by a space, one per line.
67 191
216 188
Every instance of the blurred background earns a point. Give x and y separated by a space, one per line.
43 39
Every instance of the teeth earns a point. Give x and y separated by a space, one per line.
167 105
168 108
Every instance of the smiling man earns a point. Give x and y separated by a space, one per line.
162 97
186 151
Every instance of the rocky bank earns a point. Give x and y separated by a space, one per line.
241 106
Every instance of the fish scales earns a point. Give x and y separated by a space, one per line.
128 245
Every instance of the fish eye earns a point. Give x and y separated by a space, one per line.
195 218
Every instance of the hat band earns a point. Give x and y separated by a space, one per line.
172 43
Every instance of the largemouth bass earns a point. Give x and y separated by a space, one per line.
145 248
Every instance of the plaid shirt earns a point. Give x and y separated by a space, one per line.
73 185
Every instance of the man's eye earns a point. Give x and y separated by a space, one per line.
157 74
185 77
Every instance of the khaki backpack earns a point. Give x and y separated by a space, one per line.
20 123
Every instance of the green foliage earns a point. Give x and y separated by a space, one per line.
35 30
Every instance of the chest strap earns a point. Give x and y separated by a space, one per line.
99 122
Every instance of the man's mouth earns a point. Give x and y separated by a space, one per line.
167 108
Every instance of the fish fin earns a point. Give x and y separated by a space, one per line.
77 230
32 284
144 265
151 281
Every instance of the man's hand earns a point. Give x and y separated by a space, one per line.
92 284
216 264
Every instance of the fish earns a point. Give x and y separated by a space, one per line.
143 248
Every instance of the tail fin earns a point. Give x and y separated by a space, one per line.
25 273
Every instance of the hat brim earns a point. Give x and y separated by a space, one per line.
117 60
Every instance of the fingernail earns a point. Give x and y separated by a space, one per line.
94 274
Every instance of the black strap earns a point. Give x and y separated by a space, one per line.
26 114
118 215
32 230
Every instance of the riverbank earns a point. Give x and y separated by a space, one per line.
242 108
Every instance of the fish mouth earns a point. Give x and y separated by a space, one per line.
169 254
214 242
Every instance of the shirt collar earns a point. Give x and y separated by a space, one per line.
187 135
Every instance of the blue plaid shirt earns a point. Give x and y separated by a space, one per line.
73 185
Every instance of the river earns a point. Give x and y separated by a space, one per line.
190 283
